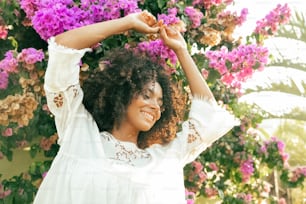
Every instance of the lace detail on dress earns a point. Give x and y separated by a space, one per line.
124 152
193 132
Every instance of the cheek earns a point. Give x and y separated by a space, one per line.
158 115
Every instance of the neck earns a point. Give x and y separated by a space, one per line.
125 135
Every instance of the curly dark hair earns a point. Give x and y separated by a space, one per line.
109 90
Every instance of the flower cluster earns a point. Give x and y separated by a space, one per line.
51 18
17 109
46 143
273 153
7 132
294 177
3 32
28 57
4 192
170 18
269 25
246 169
247 198
3 79
239 64
246 165
160 53
209 3
196 176
211 192
194 15
8 65
230 19
221 28
298 173
190 197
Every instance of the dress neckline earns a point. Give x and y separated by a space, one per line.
115 140
110 138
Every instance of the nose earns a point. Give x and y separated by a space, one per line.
155 106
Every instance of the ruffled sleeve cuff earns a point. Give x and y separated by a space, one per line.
214 121
63 66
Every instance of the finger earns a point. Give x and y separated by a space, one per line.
148 18
153 29
163 33
160 23
171 31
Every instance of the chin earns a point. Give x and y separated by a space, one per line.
146 128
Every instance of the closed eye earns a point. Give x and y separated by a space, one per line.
149 94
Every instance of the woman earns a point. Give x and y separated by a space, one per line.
114 149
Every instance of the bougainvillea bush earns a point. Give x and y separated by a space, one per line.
235 169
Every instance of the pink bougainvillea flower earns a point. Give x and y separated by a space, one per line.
270 23
30 56
194 15
3 32
8 132
9 64
3 79
246 169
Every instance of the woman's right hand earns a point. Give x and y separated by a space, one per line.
143 22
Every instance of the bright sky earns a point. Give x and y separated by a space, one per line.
278 103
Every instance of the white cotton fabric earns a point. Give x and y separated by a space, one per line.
95 168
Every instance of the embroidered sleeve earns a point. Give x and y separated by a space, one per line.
207 122
63 92
193 134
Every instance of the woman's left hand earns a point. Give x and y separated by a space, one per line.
172 38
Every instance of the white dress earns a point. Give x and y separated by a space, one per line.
95 168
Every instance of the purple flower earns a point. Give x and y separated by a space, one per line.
53 17
246 169
170 18
280 146
194 15
276 17
237 65
9 64
159 53
3 79
31 56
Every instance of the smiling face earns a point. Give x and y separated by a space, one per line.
145 108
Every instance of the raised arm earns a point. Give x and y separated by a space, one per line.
176 42
90 35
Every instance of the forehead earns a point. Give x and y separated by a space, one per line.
153 87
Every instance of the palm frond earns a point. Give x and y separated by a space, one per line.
296 28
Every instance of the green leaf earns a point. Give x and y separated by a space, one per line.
34 149
13 41
161 4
